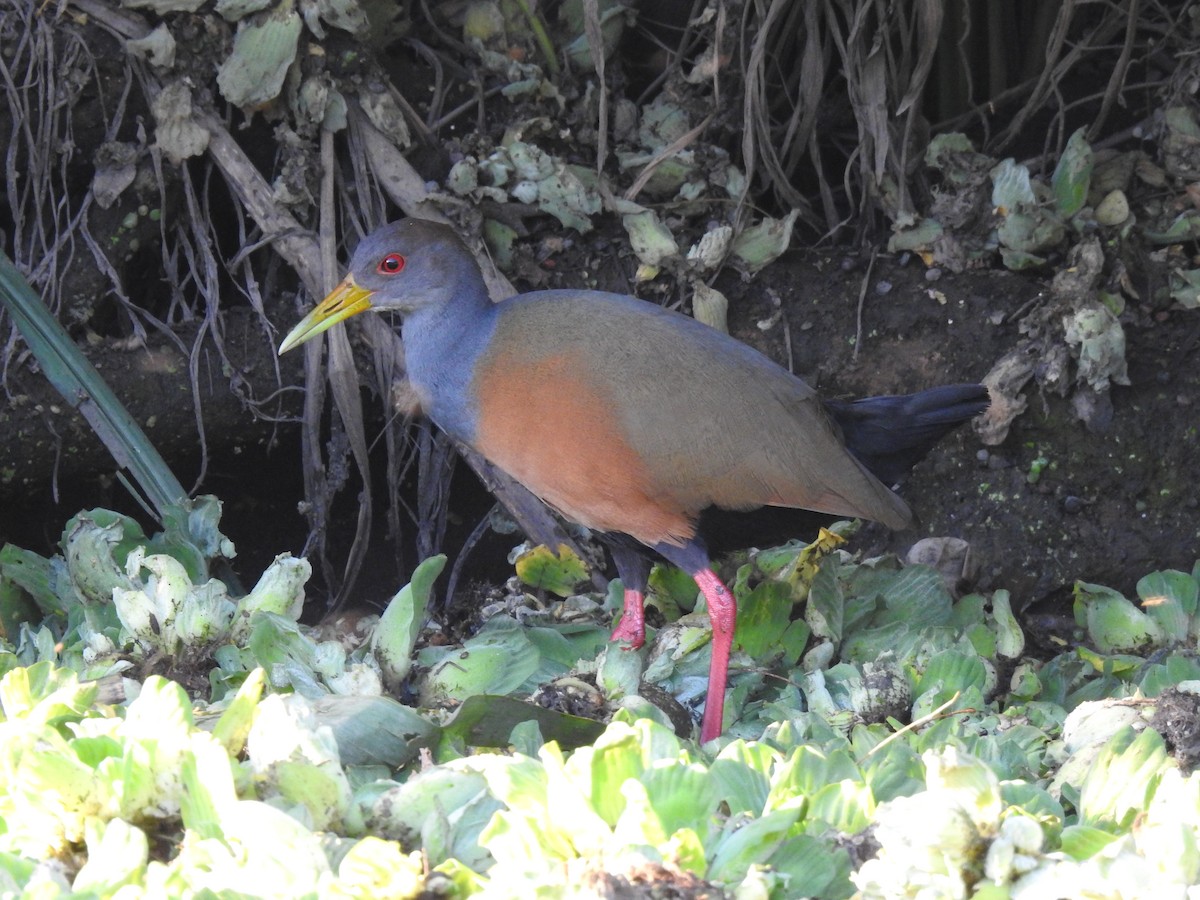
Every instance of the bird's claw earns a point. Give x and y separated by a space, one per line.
630 633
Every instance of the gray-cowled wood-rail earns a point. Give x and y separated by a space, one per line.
638 422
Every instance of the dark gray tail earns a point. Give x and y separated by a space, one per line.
890 435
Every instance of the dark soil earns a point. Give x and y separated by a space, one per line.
1107 508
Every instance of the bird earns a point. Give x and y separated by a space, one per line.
641 423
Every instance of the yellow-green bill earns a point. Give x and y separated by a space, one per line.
344 301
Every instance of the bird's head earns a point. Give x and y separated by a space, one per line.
402 267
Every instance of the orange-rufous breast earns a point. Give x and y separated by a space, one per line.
544 423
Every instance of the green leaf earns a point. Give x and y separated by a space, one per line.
813 867
1114 625
234 724
866 644
16 871
620 670
499 237
35 576
117 854
918 238
264 852
1019 260
1122 779
615 759
487 721
825 610
377 868
497 660
1177 668
559 573
950 672
742 774
318 790
296 763
1097 340
161 589
1073 175
396 634
161 711
1182 120
1010 639
280 590
612 19
807 770
375 730
649 238
95 551
982 640
1029 233
671 590
917 596
208 791
77 380
43 694
1034 801
744 844
1011 186
795 638
761 244
1185 227
1122 666
681 794
1170 599
263 51
763 616
442 809
560 652
1085 841
56 792
895 771
93 751
289 654
191 535
846 806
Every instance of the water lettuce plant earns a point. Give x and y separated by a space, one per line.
275 761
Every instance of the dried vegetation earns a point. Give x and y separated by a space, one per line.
163 157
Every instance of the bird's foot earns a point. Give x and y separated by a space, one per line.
633 636
632 627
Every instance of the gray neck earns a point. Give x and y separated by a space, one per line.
442 344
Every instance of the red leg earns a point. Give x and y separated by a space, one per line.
634 570
692 557
632 627
722 612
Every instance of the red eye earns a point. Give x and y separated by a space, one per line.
392 264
